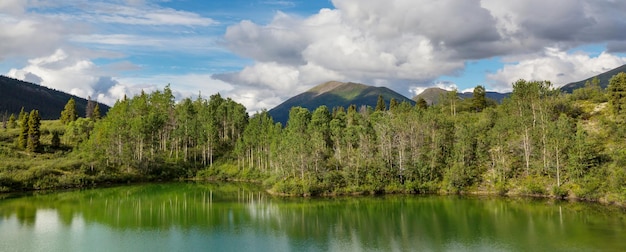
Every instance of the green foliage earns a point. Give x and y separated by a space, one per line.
78 131
69 113
380 104
393 104
23 137
12 122
537 142
617 94
34 132
479 99
421 103
55 142
96 112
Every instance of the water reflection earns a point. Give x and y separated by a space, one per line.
241 217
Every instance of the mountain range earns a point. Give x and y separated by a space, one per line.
604 79
336 94
432 95
16 94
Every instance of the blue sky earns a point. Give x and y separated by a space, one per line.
262 52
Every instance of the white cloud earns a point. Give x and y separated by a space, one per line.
185 85
81 77
60 49
446 85
25 36
145 15
12 6
407 44
403 44
556 66
63 71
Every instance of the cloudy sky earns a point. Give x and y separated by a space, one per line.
261 52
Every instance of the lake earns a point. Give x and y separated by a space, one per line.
241 217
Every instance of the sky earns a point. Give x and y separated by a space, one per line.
262 52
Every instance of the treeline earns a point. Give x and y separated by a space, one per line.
151 135
538 141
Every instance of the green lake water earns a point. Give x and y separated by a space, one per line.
240 217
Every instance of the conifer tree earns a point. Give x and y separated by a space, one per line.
479 99
393 104
22 114
380 104
96 112
56 140
23 136
34 133
617 93
69 113
12 122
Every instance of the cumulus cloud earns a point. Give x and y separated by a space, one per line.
62 48
81 77
408 44
62 71
554 65
446 85
13 6
24 36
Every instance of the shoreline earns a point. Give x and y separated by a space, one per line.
269 190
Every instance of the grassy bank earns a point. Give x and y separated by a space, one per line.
334 185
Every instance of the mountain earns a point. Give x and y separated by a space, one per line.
432 95
498 97
603 77
15 94
336 94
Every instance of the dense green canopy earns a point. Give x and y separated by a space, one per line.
538 141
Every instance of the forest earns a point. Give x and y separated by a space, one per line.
539 141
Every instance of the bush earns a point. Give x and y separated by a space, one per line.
502 187
532 185
559 192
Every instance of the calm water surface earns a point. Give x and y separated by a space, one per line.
239 217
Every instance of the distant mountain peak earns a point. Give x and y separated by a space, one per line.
433 94
326 87
336 94
604 79
17 94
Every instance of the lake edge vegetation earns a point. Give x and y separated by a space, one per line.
539 141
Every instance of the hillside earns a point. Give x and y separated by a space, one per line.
15 94
432 95
336 94
603 77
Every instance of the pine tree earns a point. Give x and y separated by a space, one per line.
96 112
12 122
393 104
69 113
617 93
34 133
479 100
380 104
56 140
23 136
